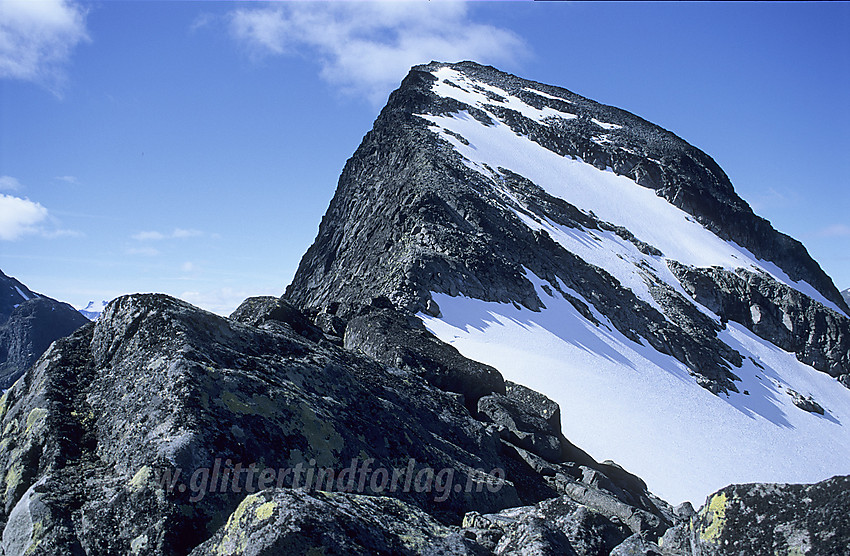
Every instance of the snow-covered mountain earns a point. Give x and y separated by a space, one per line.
603 261
93 310
846 295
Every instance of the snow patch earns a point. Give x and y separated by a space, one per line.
546 95
454 84
22 294
625 401
605 125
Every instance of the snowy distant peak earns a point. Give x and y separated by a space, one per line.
846 295
93 310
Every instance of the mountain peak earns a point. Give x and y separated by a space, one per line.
498 208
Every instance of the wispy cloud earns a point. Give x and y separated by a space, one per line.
367 48
177 233
37 38
836 230
68 179
144 251
8 183
61 232
19 217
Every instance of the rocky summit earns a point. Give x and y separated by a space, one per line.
350 417
601 260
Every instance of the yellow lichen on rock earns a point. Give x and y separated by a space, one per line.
265 511
35 419
235 537
716 513
13 478
4 403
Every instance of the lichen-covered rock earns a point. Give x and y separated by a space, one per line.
554 526
285 521
768 519
159 386
636 546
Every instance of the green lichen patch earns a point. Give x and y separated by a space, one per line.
235 538
11 427
140 479
35 419
13 478
4 403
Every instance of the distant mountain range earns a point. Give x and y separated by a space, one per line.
846 295
93 310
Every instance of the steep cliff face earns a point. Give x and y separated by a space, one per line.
580 249
29 323
471 178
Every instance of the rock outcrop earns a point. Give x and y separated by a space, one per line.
144 431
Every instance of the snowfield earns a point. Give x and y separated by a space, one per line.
628 403
621 400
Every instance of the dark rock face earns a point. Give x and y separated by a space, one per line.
820 337
401 341
410 218
136 434
29 323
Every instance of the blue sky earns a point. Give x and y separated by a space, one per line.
191 148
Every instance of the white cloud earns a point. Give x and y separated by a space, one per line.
367 48
37 37
61 232
19 217
178 233
68 179
8 183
